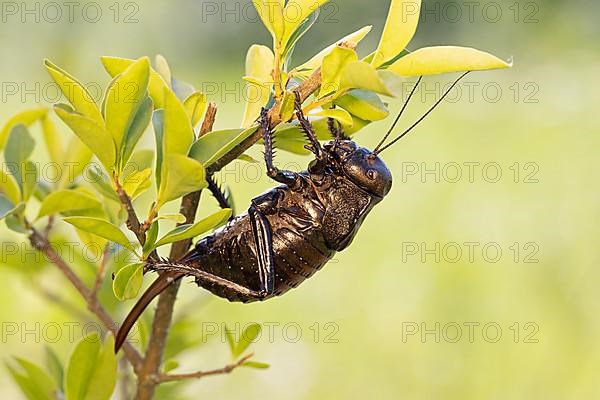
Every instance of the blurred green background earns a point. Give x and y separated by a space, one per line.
400 314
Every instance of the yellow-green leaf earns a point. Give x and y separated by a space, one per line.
92 370
443 59
53 140
255 365
248 336
25 118
316 61
400 27
9 187
102 228
67 200
189 231
81 100
162 67
212 146
179 218
33 381
128 281
333 65
363 104
271 14
362 75
137 182
338 114
259 64
156 86
124 98
92 134
178 134
195 105
296 11
181 175
77 157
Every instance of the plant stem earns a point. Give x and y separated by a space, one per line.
148 377
201 374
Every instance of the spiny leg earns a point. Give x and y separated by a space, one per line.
336 129
222 196
315 146
289 178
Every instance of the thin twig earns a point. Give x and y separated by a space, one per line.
101 271
41 243
147 377
133 222
201 374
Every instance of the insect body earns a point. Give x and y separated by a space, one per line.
289 232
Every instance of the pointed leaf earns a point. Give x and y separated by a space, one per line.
67 200
77 157
296 12
189 231
212 146
271 14
156 85
181 175
178 134
255 365
92 134
361 75
137 182
124 99
443 59
400 27
338 114
248 336
316 61
333 65
259 65
101 228
128 281
363 104
33 381
136 130
9 187
195 105
81 100
161 66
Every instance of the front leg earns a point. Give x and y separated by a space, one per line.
289 178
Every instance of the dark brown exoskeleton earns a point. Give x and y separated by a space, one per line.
289 232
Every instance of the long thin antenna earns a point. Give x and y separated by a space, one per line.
414 89
424 116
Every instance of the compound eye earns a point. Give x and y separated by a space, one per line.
371 174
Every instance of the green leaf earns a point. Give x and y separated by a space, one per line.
178 134
99 182
230 340
137 129
55 367
53 140
92 370
170 365
248 336
25 118
138 182
33 381
91 133
400 27
271 14
255 364
195 105
81 100
259 65
102 228
128 281
181 175
158 119
67 200
333 65
291 38
338 114
443 59
161 66
151 237
124 98
362 75
316 61
156 85
9 187
296 12
189 231
287 106
363 104
19 146
179 218
212 146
